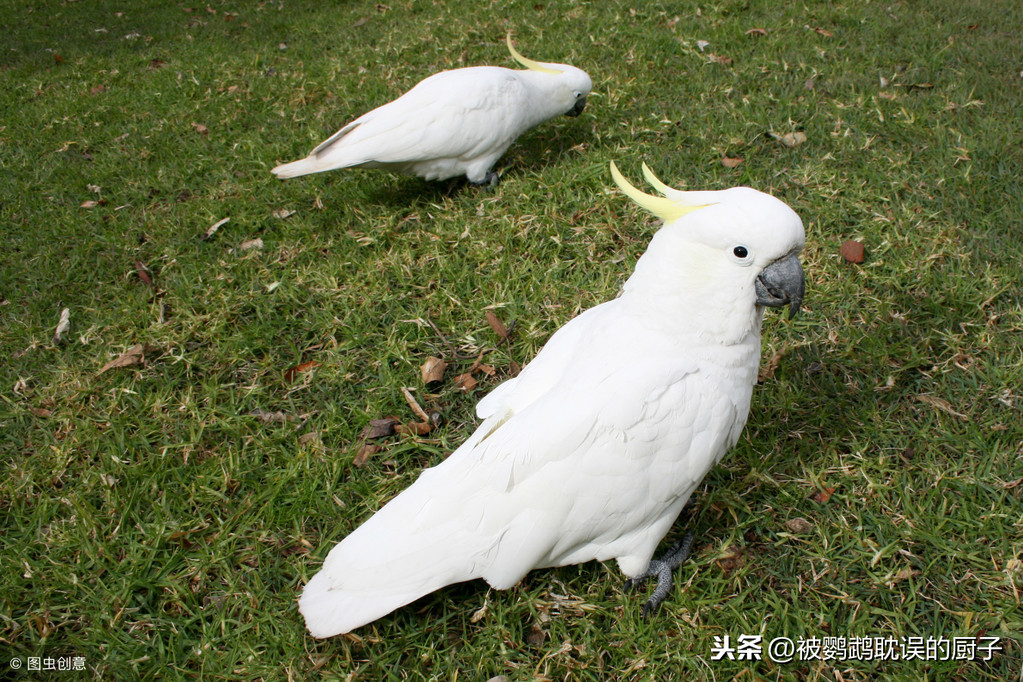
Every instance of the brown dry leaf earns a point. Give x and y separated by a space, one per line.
213 228
433 370
250 244
143 272
41 412
466 382
96 89
768 370
312 438
790 139
62 325
57 58
155 64
414 429
536 636
905 574
201 129
479 615
496 324
292 372
489 370
731 161
282 213
757 32
132 356
364 453
379 428
799 525
414 405
514 368
732 560
721 59
822 31
89 203
824 495
269 417
943 405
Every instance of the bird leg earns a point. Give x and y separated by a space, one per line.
662 568
489 180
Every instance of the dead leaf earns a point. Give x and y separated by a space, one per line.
905 574
96 89
943 405
143 272
496 324
40 412
757 32
433 370
364 453
379 428
155 64
292 372
89 203
768 370
721 59
514 368
312 439
201 129
824 32
799 525
62 325
790 139
412 403
250 244
57 58
213 228
282 213
478 615
732 560
466 382
731 161
132 356
824 495
852 251
414 429
268 417
536 636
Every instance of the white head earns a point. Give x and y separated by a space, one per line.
568 86
732 251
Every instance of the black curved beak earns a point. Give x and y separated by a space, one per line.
580 104
782 283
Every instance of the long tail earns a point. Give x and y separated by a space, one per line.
306 166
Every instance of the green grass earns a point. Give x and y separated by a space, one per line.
154 527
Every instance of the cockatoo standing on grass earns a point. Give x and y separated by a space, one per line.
453 123
593 449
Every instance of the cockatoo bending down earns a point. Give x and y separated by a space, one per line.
595 447
453 123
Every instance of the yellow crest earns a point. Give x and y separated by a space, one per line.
668 210
528 63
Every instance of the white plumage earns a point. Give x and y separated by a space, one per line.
453 123
593 450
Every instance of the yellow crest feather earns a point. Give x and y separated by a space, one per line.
666 209
528 63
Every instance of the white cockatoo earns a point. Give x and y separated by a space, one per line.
453 123
594 448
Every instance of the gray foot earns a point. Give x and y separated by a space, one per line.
662 568
489 180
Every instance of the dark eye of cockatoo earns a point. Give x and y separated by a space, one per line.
742 255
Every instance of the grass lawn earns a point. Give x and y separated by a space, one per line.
158 519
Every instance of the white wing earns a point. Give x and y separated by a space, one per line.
595 467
